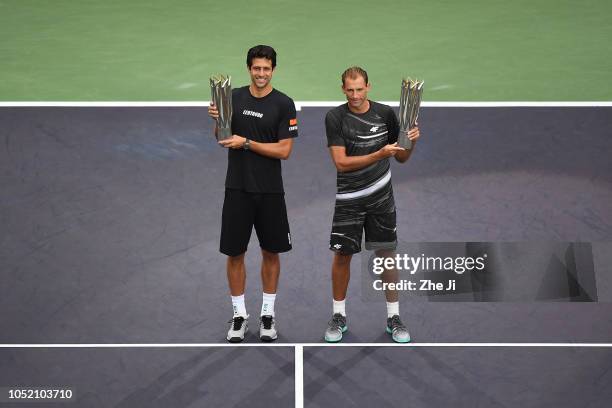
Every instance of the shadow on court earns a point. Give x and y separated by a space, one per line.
459 377
157 377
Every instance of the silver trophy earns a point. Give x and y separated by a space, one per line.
221 95
410 103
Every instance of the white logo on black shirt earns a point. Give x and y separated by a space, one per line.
252 113
374 128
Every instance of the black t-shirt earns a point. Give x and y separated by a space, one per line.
362 134
265 120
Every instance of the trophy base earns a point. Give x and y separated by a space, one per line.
224 133
403 140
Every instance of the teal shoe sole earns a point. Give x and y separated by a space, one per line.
388 330
344 329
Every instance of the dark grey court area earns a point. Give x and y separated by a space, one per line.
156 377
110 220
432 377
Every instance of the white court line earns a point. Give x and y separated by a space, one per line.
474 104
299 377
101 104
302 345
311 104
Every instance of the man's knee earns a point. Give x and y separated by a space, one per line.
269 257
342 259
236 260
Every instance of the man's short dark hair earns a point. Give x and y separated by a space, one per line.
261 51
353 73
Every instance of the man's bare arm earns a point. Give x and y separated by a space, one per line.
279 150
213 112
346 163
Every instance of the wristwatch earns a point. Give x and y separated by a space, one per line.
246 144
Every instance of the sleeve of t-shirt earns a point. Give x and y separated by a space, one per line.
392 126
288 127
333 130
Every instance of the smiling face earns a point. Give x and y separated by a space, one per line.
356 91
261 71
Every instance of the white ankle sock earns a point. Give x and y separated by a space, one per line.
340 307
392 309
267 306
239 306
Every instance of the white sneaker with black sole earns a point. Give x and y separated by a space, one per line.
239 326
267 328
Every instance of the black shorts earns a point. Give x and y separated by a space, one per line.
266 211
375 214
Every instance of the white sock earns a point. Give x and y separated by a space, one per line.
239 306
340 307
267 306
392 309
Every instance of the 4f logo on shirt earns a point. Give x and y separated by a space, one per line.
337 246
292 124
374 128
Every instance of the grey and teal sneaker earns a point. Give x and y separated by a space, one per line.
239 326
267 328
335 327
397 330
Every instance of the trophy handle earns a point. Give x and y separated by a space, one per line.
403 141
224 133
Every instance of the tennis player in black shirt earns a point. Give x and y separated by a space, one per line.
362 136
263 125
